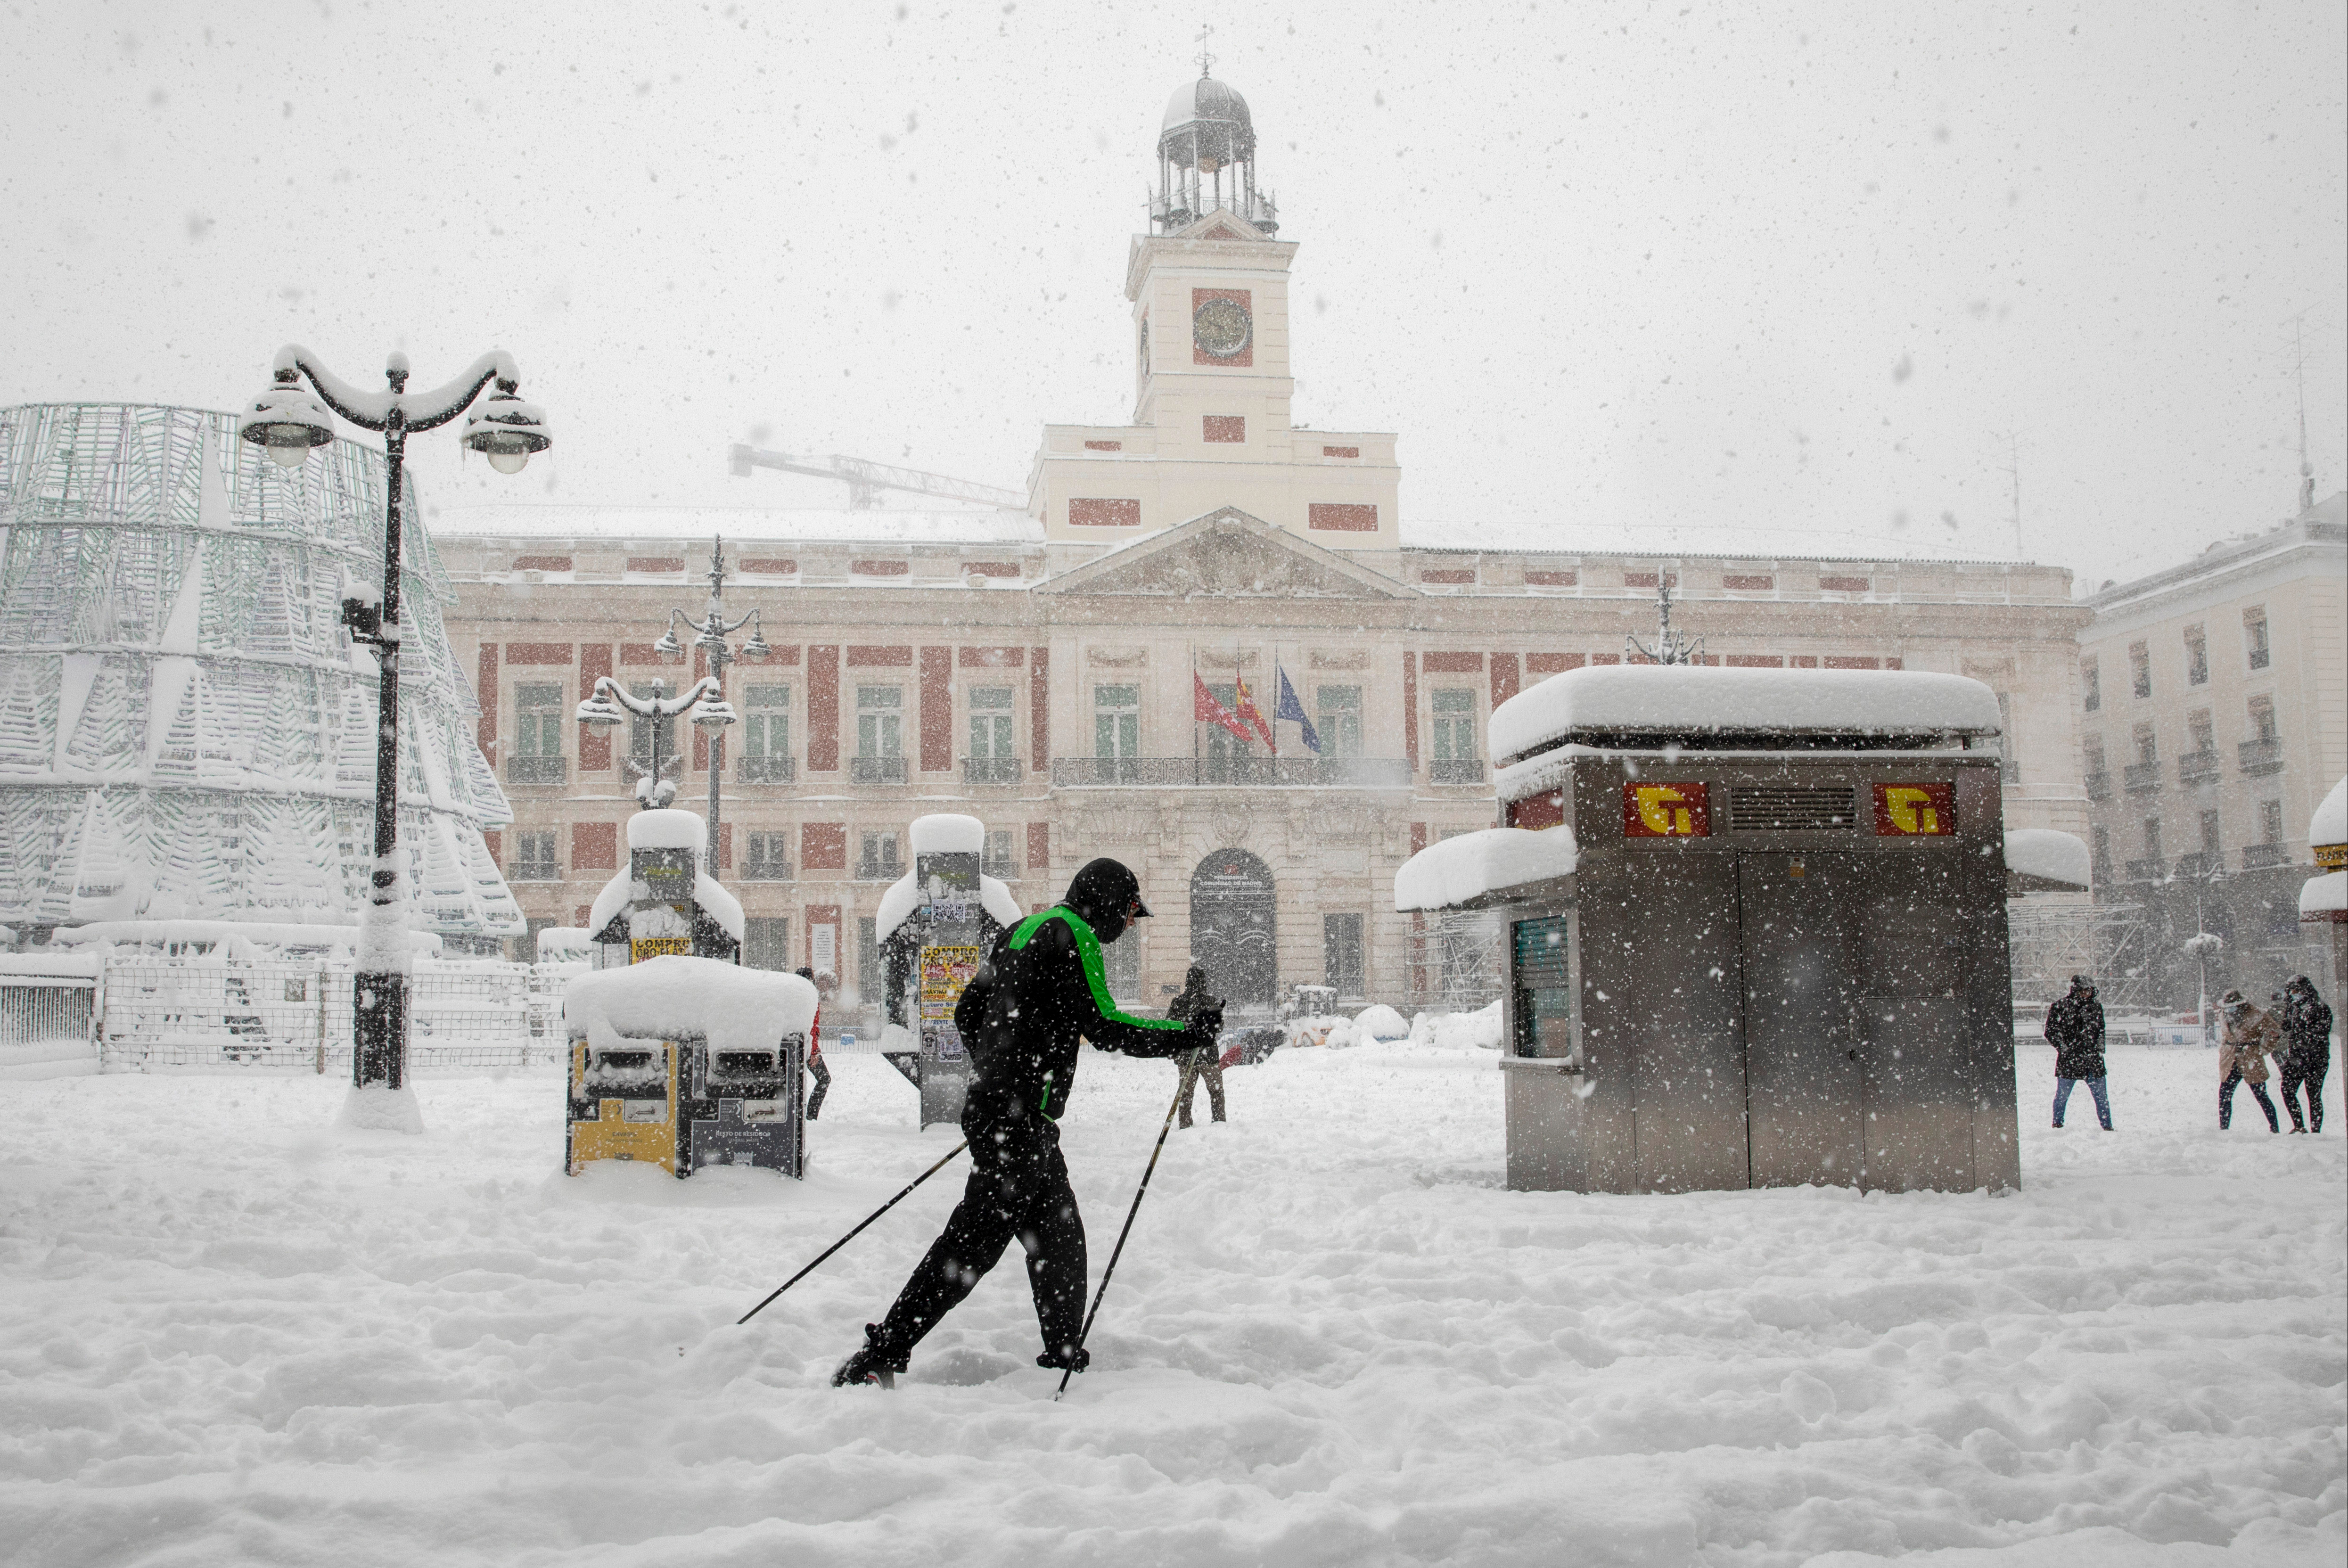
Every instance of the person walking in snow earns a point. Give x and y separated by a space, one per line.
2306 1025
1194 998
2250 1037
2075 1027
1041 989
820 1073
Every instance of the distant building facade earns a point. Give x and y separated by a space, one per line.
2213 717
1074 674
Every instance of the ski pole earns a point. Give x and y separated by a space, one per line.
1190 1070
852 1234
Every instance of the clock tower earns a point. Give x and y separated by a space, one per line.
1213 384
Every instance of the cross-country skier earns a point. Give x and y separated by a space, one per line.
1041 989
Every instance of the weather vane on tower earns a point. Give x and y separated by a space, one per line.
1205 59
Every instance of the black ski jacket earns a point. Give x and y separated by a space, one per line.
2306 1031
1042 989
2075 1027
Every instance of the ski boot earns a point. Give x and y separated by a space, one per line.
874 1362
1075 1359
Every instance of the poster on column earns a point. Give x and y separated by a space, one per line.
944 972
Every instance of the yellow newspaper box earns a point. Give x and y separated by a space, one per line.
623 1102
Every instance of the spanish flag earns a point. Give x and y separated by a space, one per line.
1249 713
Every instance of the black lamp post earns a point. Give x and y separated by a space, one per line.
287 422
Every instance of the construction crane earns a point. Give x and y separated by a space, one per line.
865 481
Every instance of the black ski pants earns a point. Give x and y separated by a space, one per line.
2296 1073
1019 1187
822 1075
2225 1103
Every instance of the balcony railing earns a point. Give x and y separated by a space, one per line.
766 871
2199 863
536 769
876 771
1001 870
2261 757
2258 856
2197 767
2150 868
1245 772
879 871
535 870
2141 778
2099 786
1456 770
990 771
766 769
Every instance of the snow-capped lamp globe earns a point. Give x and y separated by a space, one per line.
506 430
286 421
667 646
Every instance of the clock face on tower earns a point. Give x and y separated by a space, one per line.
1221 328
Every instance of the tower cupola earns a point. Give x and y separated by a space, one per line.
1206 158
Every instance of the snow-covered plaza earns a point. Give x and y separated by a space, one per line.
234 1335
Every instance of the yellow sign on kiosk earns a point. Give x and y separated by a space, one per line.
622 1103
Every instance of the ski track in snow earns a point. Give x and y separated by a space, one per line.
231 1333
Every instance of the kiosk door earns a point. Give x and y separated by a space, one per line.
1801 1050
1678 1002
1918 1093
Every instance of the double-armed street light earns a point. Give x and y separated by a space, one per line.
286 421
706 696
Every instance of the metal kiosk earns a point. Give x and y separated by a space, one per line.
1756 930
934 926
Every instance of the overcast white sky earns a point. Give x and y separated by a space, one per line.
1604 267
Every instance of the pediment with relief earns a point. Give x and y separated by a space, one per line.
1228 555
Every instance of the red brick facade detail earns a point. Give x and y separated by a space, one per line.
1039 846
496 843
1504 677
656 564
1410 728
1756 662
1647 579
1223 428
1553 663
1103 512
993 658
1039 711
1444 574
771 565
823 711
990 568
641 654
1454 664
1539 579
1340 451
1842 585
937 710
1852 662
1344 517
1245 358
866 656
537 652
823 847
879 568
542 563
594 745
1103 446
485 734
1605 659
594 846
724 846
1891 664
1803 661
1747 583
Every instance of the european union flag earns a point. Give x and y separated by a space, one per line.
1287 706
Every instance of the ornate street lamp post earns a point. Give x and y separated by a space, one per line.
707 695
286 422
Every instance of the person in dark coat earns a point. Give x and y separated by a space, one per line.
1194 998
1041 989
2307 1051
2075 1027
816 1070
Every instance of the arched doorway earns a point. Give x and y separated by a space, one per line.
1232 934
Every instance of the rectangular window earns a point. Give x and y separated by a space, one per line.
1340 728
2203 734
1454 723
2254 636
767 857
1000 859
869 978
878 859
2197 657
1222 751
1103 512
767 942
2092 748
1344 517
2103 851
990 723
2262 720
2152 837
1117 721
880 721
1341 941
538 710
1121 965
2139 669
2270 821
2147 744
766 721
2092 685
534 856
2211 844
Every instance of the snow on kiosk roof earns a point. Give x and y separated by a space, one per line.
733 1007
1703 703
